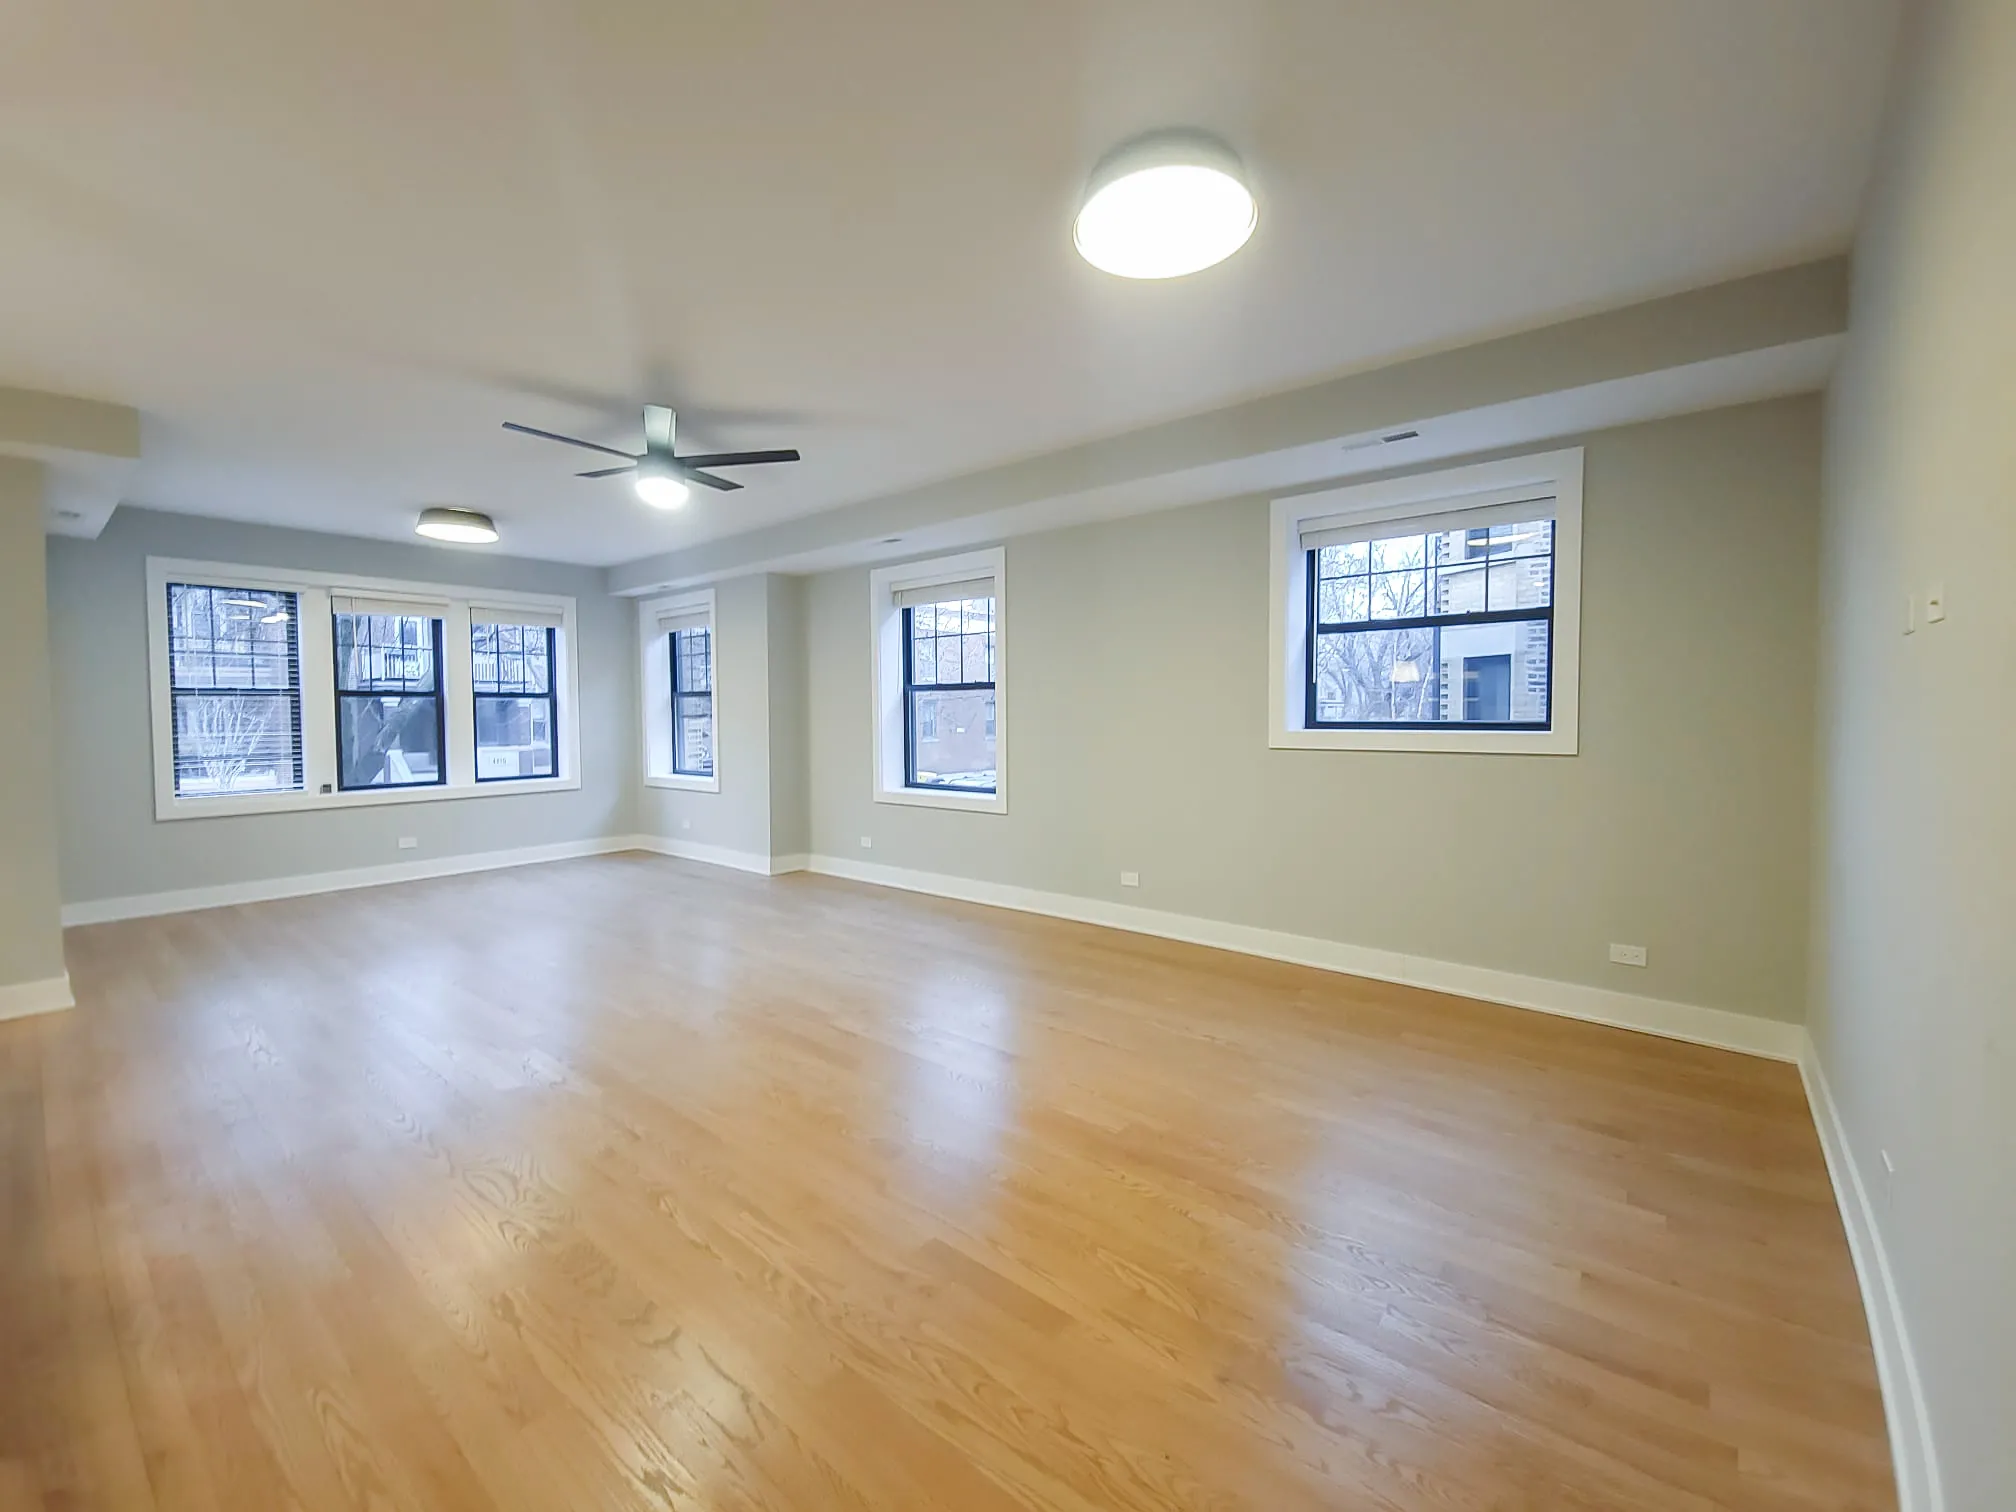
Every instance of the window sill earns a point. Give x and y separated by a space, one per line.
680 784
972 803
1454 742
286 803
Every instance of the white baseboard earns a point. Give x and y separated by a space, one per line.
25 999
759 862
230 894
1911 1447
1598 1005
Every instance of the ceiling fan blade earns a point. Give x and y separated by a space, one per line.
609 472
512 425
738 459
658 422
708 480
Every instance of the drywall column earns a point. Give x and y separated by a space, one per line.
32 977
790 731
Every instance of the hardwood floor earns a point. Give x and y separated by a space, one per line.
630 1183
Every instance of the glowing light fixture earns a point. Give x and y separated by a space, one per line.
1407 671
658 485
1164 205
466 526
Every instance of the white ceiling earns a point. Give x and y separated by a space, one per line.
327 247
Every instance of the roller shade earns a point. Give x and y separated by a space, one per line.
544 619
347 603
1343 530
683 619
945 593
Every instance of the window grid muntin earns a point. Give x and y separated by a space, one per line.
974 640
419 648
1388 556
519 660
692 657
184 650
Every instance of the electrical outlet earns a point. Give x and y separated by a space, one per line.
867 842
409 842
1935 604
1628 955
1130 879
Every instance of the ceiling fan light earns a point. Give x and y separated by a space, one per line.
466 527
1165 205
657 487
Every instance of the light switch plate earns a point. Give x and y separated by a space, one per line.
1935 604
1628 955
1130 879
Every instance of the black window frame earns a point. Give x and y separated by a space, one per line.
292 690
911 687
551 698
1437 623
681 694
439 695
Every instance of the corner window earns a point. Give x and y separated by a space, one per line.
939 632
280 689
680 660
512 655
234 679
1432 613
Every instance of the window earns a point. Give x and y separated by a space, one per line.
388 696
1401 621
941 705
234 674
275 690
948 687
681 655
1435 613
512 656
693 701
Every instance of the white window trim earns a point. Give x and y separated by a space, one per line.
318 690
654 663
885 629
1560 472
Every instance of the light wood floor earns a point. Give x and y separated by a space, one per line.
629 1183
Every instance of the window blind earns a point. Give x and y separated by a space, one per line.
682 619
945 593
347 603
543 619
1344 530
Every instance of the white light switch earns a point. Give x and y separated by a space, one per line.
1130 879
1910 613
867 842
1628 955
409 842
1935 604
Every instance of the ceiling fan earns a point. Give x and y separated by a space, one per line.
661 476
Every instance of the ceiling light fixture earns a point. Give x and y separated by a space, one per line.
467 527
658 485
1164 205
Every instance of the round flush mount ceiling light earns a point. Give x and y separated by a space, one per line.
658 485
468 527
1164 205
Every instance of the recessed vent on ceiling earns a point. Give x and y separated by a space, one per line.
1384 438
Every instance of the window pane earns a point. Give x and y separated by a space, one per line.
948 659
1339 561
511 658
1494 674
385 653
693 736
1398 552
514 738
231 638
1522 583
952 739
236 743
924 619
387 741
693 656
1343 600
973 651
1399 595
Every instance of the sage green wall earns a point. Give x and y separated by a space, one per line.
31 933
1138 740
790 779
112 845
1914 1008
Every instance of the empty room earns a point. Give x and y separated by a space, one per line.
1073 756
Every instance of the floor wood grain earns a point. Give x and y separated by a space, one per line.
630 1183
